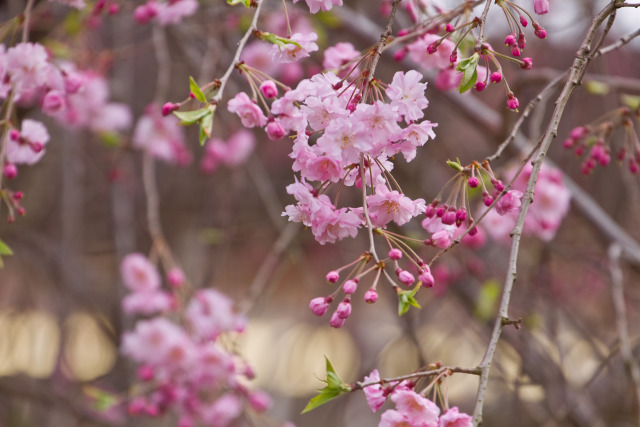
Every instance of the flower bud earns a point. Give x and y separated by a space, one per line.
427 279
319 305
336 321
371 296
275 131
496 77
269 89
473 182
405 277
169 108
10 171
350 287
332 276
395 254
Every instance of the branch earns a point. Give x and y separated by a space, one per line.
236 58
578 68
617 294
384 37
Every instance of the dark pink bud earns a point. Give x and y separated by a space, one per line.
461 215
37 147
512 102
18 195
14 134
21 211
473 182
145 372
522 42
169 108
453 58
73 83
497 184
332 276
487 200
403 33
10 171
480 86
515 51
510 40
114 8
496 77
430 212
540 32
440 210
259 401
395 254
371 296
269 89
579 132
175 277
449 218
399 55
633 166
449 28
433 47
523 21
568 143
527 63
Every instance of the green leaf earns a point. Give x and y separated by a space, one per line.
5 249
191 117
470 75
488 299
247 3
277 40
407 299
455 165
196 91
206 126
335 387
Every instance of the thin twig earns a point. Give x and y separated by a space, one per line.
384 37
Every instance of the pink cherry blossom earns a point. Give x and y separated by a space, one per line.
250 114
407 94
138 274
235 151
386 206
291 52
147 302
161 137
211 313
374 393
439 59
454 418
418 410
174 11
316 5
509 202
28 147
442 239
338 55
541 6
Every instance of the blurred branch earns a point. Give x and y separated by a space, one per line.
617 293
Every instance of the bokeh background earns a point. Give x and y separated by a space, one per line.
60 314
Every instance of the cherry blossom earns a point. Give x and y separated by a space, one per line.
250 114
303 45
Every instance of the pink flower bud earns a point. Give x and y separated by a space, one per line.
523 21
275 130
473 182
498 184
403 33
449 28
579 132
405 277
512 102
36 147
395 254
430 212
515 51
10 171
14 134
319 305
487 200
522 42
259 401
269 89
175 277
350 287
145 373
114 8
453 58
510 40
336 321
52 102
496 77
433 48
480 86
169 108
441 239
18 195
541 6
449 218
527 63
332 276
371 296
540 32
427 279
344 309
461 215
399 55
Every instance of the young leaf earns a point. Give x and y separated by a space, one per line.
407 299
277 40
335 387
5 249
196 91
247 3
206 125
191 117
470 75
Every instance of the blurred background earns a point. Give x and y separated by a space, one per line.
60 313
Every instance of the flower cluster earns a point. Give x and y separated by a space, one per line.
161 137
412 409
183 367
165 12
